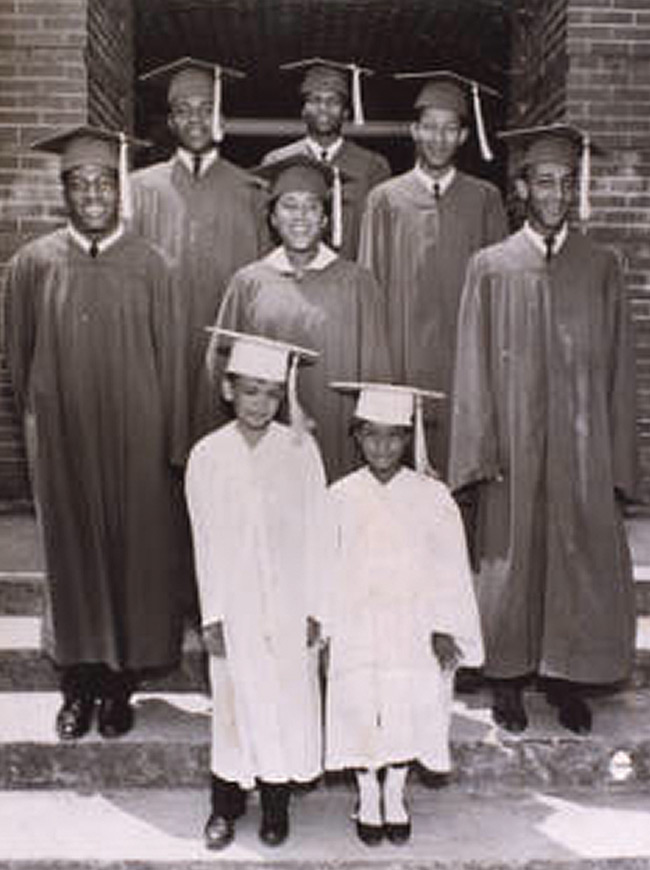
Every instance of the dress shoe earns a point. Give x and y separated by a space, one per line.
574 714
218 832
115 717
274 828
371 835
508 709
74 718
398 832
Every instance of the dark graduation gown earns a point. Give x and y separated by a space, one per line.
362 170
337 311
208 227
544 421
418 250
89 351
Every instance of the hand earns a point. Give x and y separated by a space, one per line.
214 639
313 631
446 650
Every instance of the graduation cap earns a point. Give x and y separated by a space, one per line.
444 89
188 77
557 143
393 405
257 356
332 75
85 144
302 172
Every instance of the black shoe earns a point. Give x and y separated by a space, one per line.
508 709
115 717
574 714
74 718
399 833
274 828
371 835
218 832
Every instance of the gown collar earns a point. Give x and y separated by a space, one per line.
279 261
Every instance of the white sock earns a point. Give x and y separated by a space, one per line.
395 811
369 797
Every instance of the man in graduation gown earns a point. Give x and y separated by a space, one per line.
90 321
417 234
326 92
303 292
202 210
544 431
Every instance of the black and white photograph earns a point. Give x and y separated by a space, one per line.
325 434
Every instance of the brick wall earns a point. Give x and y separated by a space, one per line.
62 62
587 62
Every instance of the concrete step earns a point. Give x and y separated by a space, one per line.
23 665
169 746
160 830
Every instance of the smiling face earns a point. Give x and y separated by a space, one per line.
548 189
299 218
383 447
92 196
190 120
255 402
438 134
324 112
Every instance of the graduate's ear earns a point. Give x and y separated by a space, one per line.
227 389
462 136
414 129
521 188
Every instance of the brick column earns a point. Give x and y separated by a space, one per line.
62 62
587 62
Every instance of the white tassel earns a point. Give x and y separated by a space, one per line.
486 151
357 102
299 421
126 201
584 207
217 126
422 464
337 209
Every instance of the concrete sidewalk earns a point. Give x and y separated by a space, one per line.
156 828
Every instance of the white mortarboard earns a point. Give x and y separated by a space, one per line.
333 75
97 146
444 89
393 405
188 77
256 356
557 143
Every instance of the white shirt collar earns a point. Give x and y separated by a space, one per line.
443 182
207 159
102 244
280 262
539 241
331 151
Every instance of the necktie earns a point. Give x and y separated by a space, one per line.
94 248
324 156
436 190
548 242
196 165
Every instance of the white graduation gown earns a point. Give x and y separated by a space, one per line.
254 513
401 572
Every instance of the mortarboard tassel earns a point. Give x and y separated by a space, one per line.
337 209
357 103
422 464
217 126
584 208
300 423
486 151
126 201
